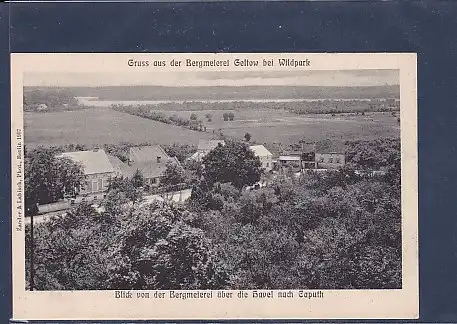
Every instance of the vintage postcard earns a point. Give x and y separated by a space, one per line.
214 186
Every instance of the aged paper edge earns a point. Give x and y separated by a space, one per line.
337 304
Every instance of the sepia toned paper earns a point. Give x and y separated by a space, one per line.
220 70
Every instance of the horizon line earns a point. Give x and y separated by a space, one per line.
207 86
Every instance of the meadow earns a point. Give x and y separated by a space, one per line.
97 126
280 126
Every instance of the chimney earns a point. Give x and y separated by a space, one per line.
158 159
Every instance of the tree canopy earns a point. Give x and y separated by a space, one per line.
173 175
48 178
332 230
234 163
150 247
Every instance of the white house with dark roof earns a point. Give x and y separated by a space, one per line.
265 156
97 169
204 147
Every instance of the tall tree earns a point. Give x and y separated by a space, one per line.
233 162
173 175
48 178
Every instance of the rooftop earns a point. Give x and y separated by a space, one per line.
147 153
208 145
94 161
148 169
260 150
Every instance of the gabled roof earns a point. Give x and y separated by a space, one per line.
147 153
208 145
93 162
147 169
260 150
117 164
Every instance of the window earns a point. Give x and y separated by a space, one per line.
321 159
100 184
268 164
330 160
337 160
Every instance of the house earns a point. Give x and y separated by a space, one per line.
324 155
330 160
290 160
151 161
147 154
308 156
97 170
204 147
330 156
265 156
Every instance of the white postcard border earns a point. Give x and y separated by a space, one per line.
337 304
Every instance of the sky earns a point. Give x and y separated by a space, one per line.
238 78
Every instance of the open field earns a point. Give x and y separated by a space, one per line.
270 126
101 126
98 126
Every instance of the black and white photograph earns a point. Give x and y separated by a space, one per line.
268 181
213 180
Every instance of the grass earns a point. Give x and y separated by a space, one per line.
98 126
279 126
101 126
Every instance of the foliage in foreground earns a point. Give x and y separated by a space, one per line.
337 230
150 247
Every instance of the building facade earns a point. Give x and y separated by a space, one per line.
97 170
265 156
330 160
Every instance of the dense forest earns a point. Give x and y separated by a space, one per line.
323 230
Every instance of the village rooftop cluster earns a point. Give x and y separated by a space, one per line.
151 162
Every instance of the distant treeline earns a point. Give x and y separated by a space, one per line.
50 100
297 107
219 93
146 111
342 106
